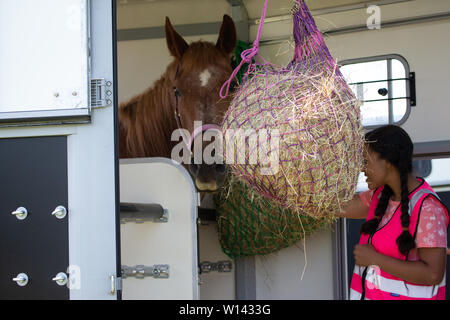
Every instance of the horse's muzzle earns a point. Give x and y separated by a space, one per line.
208 178
210 186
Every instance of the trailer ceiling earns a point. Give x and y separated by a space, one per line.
280 7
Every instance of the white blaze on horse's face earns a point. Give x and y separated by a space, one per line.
204 77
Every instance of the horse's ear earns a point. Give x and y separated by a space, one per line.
227 35
176 44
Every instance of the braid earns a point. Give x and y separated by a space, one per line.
393 144
405 241
370 226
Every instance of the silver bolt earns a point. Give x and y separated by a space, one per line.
21 213
60 212
21 279
61 279
156 272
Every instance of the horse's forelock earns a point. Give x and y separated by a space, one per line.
202 54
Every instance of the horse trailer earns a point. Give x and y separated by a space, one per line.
79 223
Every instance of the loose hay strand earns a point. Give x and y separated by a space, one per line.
304 246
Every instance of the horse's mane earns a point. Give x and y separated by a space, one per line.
147 120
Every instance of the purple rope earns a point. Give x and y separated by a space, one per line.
246 55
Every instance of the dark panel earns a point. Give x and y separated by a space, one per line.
33 174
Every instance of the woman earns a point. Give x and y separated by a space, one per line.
402 249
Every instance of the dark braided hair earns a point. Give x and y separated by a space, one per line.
393 144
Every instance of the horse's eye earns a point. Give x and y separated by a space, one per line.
177 92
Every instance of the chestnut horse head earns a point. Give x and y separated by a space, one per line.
187 94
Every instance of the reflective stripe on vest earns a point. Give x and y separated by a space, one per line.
372 282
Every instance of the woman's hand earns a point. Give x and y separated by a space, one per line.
365 255
354 209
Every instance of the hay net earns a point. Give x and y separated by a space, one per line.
310 155
249 224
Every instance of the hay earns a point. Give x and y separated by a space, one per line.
310 115
251 225
320 140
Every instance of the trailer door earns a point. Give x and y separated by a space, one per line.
59 230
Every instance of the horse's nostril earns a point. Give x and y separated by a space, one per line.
193 167
220 168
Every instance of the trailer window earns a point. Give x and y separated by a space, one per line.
385 86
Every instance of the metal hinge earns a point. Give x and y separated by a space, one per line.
101 93
219 266
116 284
157 271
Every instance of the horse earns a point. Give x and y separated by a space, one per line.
188 91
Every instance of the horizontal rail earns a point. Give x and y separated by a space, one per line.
142 212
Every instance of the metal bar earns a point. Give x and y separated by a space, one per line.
340 277
375 81
205 28
142 212
412 89
159 32
44 117
390 99
393 23
337 9
245 278
240 16
358 28
220 266
157 271
387 99
429 150
238 13
236 2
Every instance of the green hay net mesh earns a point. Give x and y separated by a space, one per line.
251 225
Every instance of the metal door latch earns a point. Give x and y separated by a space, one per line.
157 271
219 266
